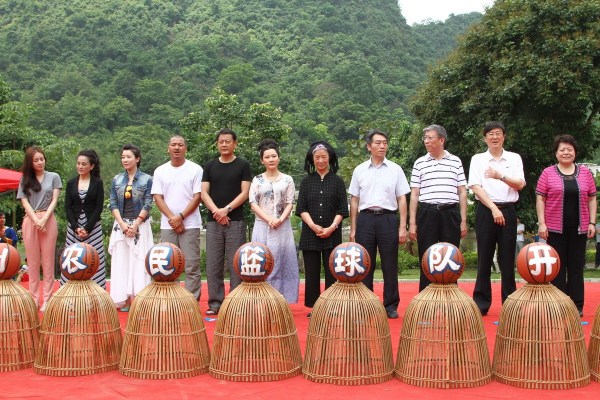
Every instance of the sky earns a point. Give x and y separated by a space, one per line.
416 11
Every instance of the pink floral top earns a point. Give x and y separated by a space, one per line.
272 197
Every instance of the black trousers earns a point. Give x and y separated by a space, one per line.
313 260
489 235
597 263
570 247
434 226
380 232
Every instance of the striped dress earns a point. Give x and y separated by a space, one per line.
95 239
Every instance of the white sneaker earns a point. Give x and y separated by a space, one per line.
43 307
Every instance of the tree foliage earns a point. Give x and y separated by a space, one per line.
97 67
533 65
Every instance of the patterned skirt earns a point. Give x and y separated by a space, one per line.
285 276
95 239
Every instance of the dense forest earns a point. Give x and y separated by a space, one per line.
107 72
99 74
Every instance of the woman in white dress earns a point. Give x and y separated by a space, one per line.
271 199
131 236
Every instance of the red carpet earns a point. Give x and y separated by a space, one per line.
26 384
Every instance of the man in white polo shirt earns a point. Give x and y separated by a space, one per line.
495 177
438 198
378 189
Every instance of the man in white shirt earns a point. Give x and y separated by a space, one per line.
378 189
176 189
495 177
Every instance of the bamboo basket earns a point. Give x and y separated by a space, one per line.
349 341
255 339
594 349
539 342
165 337
19 327
443 342
80 332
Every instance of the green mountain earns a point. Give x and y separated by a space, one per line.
98 68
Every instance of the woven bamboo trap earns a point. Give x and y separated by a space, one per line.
443 342
349 341
594 349
19 325
80 332
165 336
539 342
255 338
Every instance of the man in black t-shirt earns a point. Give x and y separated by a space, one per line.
225 187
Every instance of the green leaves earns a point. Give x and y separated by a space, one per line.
533 65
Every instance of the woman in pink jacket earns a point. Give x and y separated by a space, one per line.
566 210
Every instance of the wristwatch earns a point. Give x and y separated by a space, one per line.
229 209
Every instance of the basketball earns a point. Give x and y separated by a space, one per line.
349 262
79 262
165 262
10 261
253 262
443 263
538 263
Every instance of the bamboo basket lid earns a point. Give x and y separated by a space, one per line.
540 342
443 342
594 349
80 332
349 340
165 337
19 327
255 338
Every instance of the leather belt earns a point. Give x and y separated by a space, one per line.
500 205
439 207
378 211
504 205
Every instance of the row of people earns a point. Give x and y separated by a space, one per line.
378 212
565 204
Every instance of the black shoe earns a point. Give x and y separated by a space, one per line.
483 313
309 314
392 314
212 312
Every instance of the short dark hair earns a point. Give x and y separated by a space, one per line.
567 139
373 132
2 213
490 125
227 131
267 144
309 162
137 153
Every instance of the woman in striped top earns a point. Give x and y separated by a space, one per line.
84 201
566 210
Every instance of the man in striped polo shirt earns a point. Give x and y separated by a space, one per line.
438 198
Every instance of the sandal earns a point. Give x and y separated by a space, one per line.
212 312
124 309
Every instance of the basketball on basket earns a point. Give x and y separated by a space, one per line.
538 263
79 262
10 261
253 262
165 262
349 262
443 263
